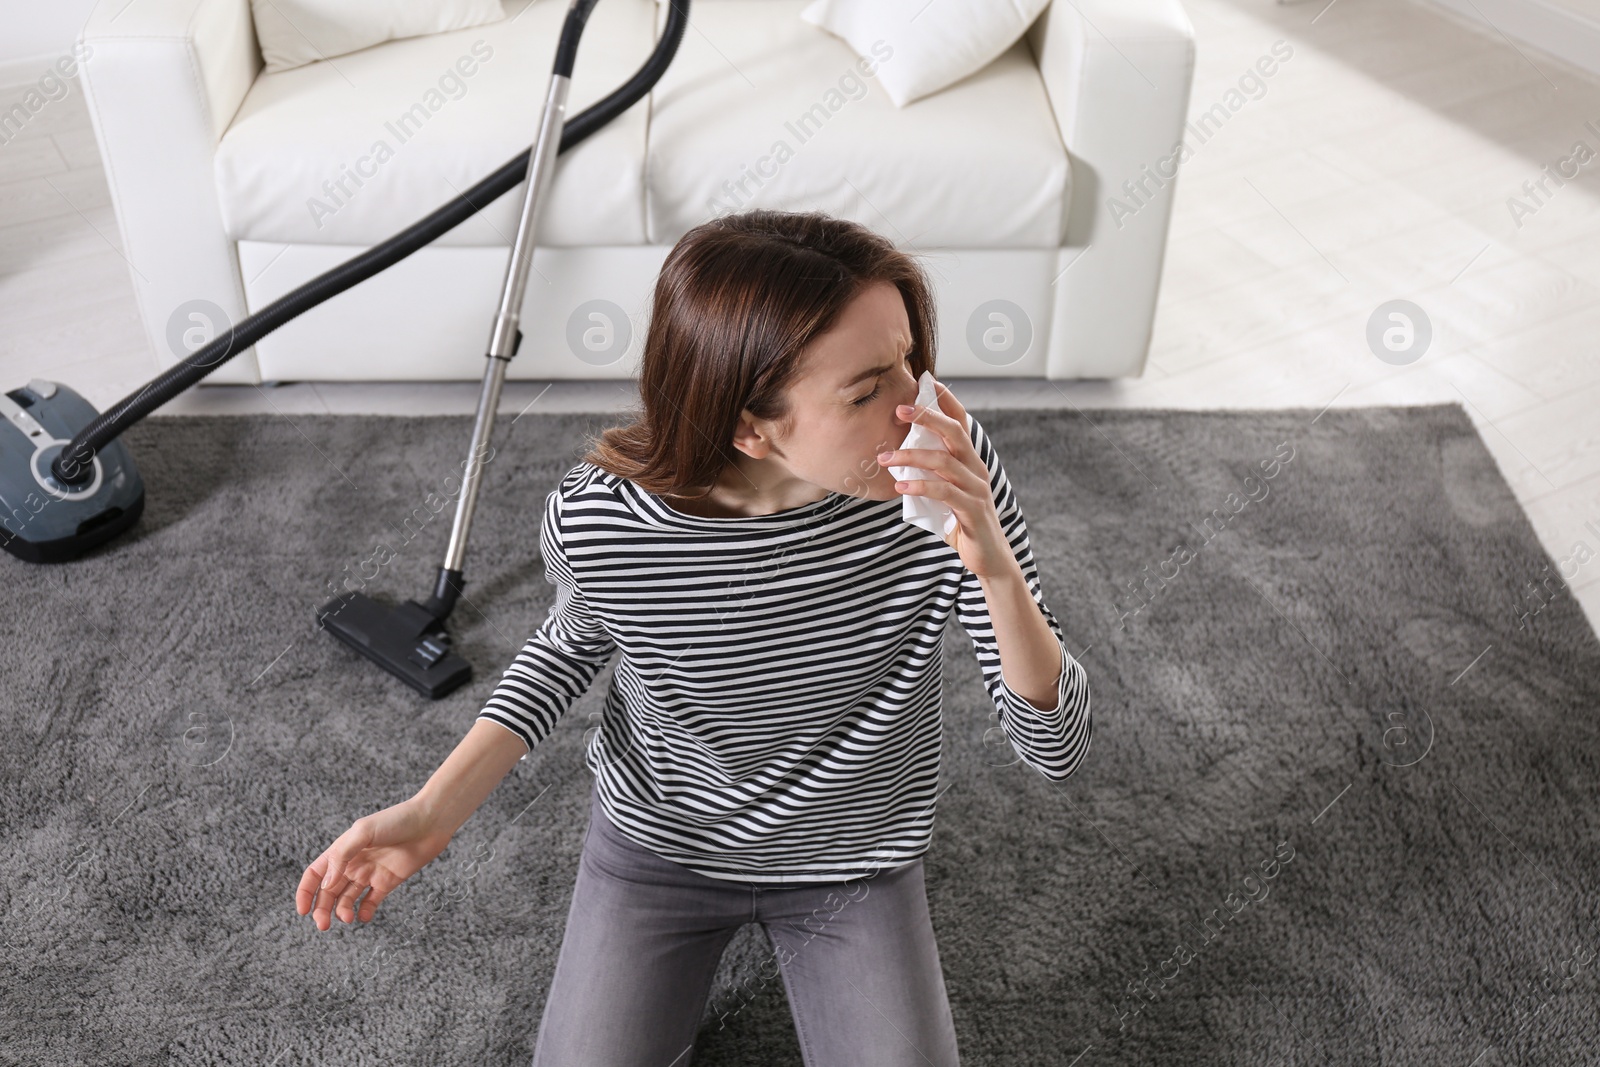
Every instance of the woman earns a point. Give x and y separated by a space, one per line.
769 749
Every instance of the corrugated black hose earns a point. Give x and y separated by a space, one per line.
74 466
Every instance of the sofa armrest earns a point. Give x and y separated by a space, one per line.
1118 74
216 39
163 80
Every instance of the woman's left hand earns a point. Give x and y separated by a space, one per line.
962 483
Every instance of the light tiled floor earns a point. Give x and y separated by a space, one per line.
1376 164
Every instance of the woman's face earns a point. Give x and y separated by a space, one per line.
843 403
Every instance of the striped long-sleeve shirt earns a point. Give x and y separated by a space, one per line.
775 716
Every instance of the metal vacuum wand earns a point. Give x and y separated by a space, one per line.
506 336
410 641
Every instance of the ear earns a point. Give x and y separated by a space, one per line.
748 439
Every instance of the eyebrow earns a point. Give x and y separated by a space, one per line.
870 372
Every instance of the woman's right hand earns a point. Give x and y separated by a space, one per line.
380 850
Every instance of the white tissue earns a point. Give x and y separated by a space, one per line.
932 515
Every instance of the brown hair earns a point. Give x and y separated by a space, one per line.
738 300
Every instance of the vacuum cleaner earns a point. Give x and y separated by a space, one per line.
68 485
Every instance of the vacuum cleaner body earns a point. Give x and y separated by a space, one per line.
42 519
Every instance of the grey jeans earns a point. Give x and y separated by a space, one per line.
644 936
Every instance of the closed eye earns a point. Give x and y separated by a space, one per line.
877 388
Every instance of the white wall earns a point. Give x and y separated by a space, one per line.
1567 29
1589 9
35 33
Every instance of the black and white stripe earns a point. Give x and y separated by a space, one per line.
775 716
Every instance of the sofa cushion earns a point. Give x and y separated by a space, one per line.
762 109
292 33
959 37
356 148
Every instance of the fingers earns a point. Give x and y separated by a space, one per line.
952 430
947 466
327 898
948 411
322 914
938 489
305 894
326 879
346 908
369 907
338 899
949 403
926 458
323 873
322 884
325 889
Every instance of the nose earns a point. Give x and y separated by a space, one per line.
907 392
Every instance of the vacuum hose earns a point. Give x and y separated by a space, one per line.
74 465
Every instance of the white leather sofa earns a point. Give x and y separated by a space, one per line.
226 180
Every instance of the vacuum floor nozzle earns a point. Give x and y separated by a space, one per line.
408 641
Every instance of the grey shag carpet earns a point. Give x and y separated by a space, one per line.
1342 805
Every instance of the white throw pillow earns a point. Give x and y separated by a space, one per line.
925 45
293 33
